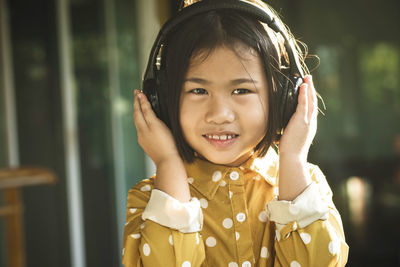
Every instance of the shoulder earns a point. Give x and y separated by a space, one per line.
140 193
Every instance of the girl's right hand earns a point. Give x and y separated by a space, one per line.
153 135
157 141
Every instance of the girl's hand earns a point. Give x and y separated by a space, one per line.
153 135
300 131
157 141
296 141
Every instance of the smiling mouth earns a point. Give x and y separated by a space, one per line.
221 137
221 141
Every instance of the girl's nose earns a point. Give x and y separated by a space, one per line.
219 112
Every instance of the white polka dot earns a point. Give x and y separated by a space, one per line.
233 264
222 183
136 236
142 226
294 227
246 264
241 217
197 239
278 235
257 178
132 210
190 180
123 251
217 175
211 242
305 237
262 216
293 209
295 264
264 252
171 240
145 188
237 235
146 249
186 264
333 247
234 175
230 194
227 223
203 203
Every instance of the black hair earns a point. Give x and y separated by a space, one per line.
203 33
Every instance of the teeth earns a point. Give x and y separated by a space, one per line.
221 137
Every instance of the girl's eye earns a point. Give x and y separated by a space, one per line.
241 91
198 91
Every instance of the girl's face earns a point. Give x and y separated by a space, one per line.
224 105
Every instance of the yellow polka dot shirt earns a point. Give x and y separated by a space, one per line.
234 219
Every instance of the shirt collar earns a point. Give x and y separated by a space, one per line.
201 172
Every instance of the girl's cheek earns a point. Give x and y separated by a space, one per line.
193 98
250 101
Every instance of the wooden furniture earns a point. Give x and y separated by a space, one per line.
12 180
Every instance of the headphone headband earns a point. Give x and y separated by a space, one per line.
208 5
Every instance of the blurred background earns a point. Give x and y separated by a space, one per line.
67 73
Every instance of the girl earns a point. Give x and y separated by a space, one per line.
221 195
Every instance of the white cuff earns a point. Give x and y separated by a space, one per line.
305 209
170 212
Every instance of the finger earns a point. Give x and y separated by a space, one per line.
302 106
147 111
138 117
312 98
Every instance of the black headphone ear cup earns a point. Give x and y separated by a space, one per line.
150 88
288 97
291 103
283 86
163 92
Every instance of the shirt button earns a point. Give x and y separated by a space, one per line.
217 175
240 217
234 175
246 264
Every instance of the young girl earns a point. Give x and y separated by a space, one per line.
221 195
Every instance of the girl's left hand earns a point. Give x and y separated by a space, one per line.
300 131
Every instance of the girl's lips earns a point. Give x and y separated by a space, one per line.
220 136
221 140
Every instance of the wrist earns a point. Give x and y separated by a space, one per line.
169 160
171 178
173 159
293 176
295 158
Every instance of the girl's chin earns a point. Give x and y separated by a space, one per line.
226 161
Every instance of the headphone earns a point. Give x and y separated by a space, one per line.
293 75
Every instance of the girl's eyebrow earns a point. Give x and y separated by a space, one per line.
232 82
